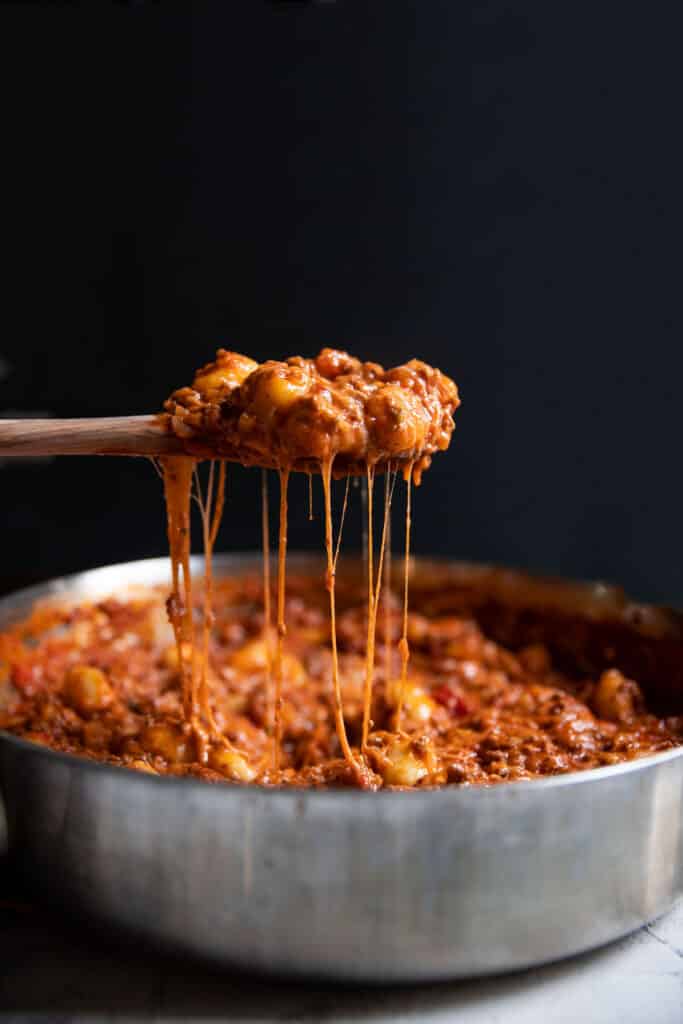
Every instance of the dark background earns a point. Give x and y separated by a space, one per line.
492 187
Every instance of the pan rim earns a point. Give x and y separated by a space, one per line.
639 765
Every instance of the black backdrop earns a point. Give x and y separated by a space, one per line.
493 187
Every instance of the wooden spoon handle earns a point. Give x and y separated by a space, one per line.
107 435
137 435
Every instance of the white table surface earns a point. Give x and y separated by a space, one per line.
50 972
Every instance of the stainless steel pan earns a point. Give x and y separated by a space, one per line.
401 886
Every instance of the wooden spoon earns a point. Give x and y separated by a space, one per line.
142 435
106 435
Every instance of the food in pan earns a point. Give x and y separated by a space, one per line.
102 679
314 694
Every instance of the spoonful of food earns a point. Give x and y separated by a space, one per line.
296 414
